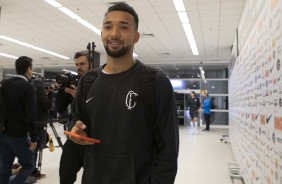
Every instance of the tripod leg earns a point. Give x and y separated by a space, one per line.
58 138
39 163
40 155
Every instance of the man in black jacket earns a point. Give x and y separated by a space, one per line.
43 104
194 108
134 149
20 137
72 157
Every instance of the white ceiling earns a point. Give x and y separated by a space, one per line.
35 22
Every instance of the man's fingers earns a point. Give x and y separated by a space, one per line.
81 142
79 129
79 125
73 87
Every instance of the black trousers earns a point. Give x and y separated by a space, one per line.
208 121
41 142
71 162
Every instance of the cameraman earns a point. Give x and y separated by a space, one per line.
72 157
43 104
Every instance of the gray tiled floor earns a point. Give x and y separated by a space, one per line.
202 159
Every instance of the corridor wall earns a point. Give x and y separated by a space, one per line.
255 99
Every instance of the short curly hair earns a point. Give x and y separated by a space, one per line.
22 64
122 6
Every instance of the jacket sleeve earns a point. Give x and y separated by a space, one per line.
62 100
44 101
77 103
30 107
165 168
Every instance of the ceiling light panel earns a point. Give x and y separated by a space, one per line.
77 18
8 55
32 46
180 8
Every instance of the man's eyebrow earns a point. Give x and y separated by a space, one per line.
124 22
107 22
121 22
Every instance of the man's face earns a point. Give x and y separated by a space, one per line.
119 34
28 72
82 64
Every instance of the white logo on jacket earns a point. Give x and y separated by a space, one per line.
130 103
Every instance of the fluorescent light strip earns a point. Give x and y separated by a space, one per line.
32 46
8 55
69 13
179 5
180 8
77 18
183 17
74 16
69 71
89 26
53 3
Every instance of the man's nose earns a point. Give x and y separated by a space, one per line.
115 32
78 67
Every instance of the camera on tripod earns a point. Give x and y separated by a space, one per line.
67 79
41 83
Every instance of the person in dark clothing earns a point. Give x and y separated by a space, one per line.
52 111
130 151
194 108
206 110
43 104
212 114
72 157
20 137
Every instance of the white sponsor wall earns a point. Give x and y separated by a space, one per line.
255 100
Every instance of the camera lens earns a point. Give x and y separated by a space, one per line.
62 79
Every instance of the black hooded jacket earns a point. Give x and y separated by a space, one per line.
127 154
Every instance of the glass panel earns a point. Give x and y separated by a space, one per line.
218 118
215 73
215 86
185 84
10 72
220 102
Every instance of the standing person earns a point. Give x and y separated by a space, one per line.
43 104
131 151
73 154
195 105
19 138
212 114
52 111
206 110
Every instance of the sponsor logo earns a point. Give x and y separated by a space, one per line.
268 119
129 101
88 100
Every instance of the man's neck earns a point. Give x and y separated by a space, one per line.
22 76
119 65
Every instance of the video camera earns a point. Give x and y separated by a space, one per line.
41 83
67 79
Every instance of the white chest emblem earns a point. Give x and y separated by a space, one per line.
130 103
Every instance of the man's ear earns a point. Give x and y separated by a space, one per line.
136 38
